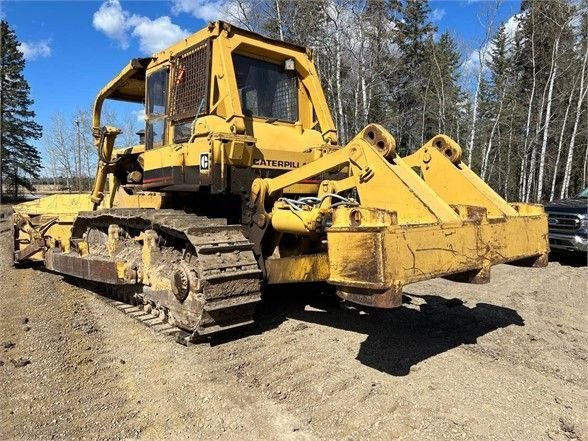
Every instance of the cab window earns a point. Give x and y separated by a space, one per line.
156 108
266 89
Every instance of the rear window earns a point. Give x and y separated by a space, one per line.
266 89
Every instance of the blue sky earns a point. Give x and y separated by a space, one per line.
74 47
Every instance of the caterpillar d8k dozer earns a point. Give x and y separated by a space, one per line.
239 182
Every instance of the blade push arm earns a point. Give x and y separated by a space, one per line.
410 219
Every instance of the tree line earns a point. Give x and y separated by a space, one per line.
520 113
71 154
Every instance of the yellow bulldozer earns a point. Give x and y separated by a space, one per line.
239 182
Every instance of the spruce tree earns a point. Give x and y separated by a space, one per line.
20 160
503 110
442 92
414 34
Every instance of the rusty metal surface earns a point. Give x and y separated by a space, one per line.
36 245
305 268
94 268
387 299
219 271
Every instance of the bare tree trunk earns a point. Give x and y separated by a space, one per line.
498 160
364 98
523 176
560 144
584 177
492 163
441 98
539 125
67 168
279 18
341 117
486 156
553 74
581 96
534 153
425 111
474 117
508 158
53 169
361 71
457 119
355 106
481 55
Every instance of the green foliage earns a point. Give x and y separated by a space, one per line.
20 159
416 48
382 61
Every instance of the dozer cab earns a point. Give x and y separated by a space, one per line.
241 182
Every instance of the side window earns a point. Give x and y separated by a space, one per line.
155 132
156 108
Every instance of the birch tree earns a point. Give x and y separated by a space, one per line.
583 90
551 82
489 24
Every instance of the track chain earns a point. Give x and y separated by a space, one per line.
219 255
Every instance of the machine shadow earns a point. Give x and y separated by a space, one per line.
397 339
569 259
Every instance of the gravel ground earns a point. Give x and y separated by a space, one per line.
502 361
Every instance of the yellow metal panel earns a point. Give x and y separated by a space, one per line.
306 268
407 254
351 265
453 182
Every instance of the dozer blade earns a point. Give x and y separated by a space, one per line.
464 229
415 218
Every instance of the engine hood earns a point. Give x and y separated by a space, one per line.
574 205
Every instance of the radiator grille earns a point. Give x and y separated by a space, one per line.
190 82
564 222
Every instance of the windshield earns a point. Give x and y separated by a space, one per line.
584 193
266 89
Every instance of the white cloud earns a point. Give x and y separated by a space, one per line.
471 64
113 21
152 35
437 14
207 10
140 115
156 35
35 49
512 25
